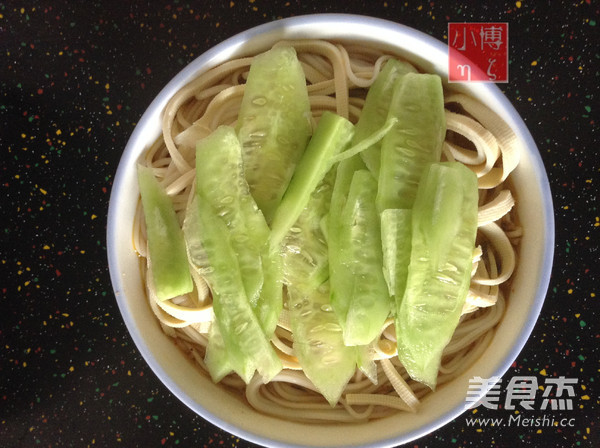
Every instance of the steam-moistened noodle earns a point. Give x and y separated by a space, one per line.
338 77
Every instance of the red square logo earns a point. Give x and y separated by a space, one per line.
478 52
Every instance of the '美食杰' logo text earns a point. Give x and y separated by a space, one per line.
522 392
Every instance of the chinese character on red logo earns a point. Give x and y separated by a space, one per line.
478 52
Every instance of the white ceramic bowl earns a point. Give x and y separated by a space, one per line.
222 409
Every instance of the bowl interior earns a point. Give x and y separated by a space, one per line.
226 410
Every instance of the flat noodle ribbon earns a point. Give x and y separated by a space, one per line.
506 138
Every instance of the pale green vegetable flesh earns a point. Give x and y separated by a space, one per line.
270 303
318 341
375 110
332 135
304 248
415 141
166 245
227 242
212 254
220 181
340 277
365 361
369 302
444 227
273 124
217 358
396 232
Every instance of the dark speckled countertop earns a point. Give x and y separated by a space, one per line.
74 79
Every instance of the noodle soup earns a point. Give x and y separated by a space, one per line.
338 74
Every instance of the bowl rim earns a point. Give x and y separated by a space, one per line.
130 155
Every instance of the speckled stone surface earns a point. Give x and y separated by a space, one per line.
74 79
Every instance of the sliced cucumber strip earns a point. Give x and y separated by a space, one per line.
396 231
220 180
212 254
166 245
375 110
415 141
273 124
318 341
332 135
361 255
304 249
270 302
365 361
340 276
444 226
217 360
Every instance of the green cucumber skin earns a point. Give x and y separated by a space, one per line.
211 253
273 125
219 157
415 141
217 359
304 251
340 277
220 179
376 107
318 340
361 254
332 135
396 233
166 245
365 361
270 301
444 227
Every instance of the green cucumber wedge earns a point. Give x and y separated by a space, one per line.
340 277
304 250
332 135
220 181
361 256
444 226
217 359
365 361
273 124
318 339
211 253
416 140
166 245
375 110
396 232
270 301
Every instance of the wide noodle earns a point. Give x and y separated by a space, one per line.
337 77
